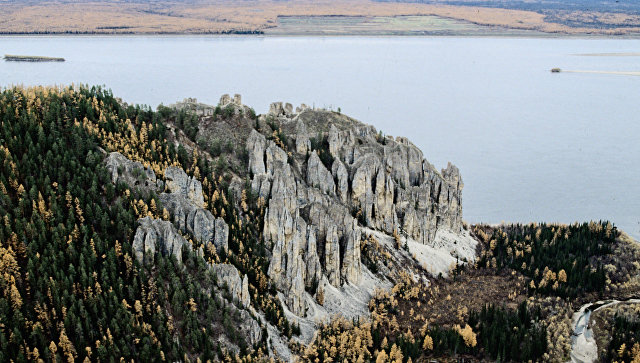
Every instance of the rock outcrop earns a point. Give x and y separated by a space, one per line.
318 176
238 286
132 173
315 215
197 221
226 99
156 235
178 182
280 109
184 202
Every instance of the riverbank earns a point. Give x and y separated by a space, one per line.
263 16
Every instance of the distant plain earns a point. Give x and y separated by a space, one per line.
260 16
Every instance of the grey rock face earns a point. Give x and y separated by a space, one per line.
351 260
228 275
394 186
132 173
157 235
279 109
225 99
339 172
288 109
250 328
287 268
310 221
244 293
275 157
178 182
318 176
312 260
184 203
221 239
332 256
276 109
195 220
256 145
303 145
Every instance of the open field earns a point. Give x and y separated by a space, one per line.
387 25
258 16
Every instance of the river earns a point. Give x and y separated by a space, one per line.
531 145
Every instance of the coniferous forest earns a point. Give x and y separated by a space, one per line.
72 290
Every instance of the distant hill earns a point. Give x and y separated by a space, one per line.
595 14
626 6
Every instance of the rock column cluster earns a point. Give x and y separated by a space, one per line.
315 211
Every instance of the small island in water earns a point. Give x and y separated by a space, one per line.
31 58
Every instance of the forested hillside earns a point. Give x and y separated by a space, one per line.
164 235
70 287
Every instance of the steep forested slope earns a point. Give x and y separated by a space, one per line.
70 287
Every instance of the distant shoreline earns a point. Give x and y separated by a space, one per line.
324 18
323 35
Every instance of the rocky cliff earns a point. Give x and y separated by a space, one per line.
329 184
325 178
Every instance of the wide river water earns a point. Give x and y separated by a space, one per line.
531 145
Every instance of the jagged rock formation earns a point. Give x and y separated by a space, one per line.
278 109
179 182
226 99
318 205
156 235
184 202
318 176
238 286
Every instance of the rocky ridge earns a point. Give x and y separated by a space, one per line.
329 183
184 201
329 179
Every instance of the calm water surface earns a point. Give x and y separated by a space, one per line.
531 145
